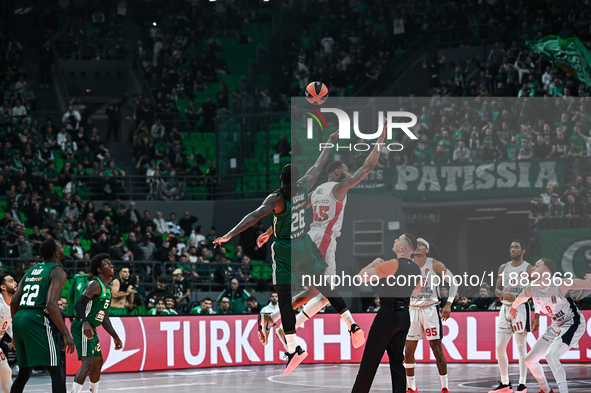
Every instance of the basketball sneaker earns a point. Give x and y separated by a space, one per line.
265 324
444 390
502 388
409 390
294 359
357 336
522 388
281 336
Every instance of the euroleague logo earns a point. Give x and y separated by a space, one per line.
316 93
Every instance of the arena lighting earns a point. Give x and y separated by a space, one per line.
480 218
518 212
491 209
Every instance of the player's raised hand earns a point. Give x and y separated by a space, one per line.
334 136
87 330
220 240
588 276
446 312
69 343
118 343
262 239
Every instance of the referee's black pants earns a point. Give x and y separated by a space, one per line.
388 333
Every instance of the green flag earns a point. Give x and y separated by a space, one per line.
568 53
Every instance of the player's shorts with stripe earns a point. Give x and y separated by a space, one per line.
520 324
2 356
425 321
292 258
327 245
569 333
34 340
117 311
85 347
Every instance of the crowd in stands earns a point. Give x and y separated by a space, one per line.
568 209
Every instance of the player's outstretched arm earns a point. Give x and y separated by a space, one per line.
523 297
340 190
379 269
57 279
447 275
109 329
312 174
268 205
576 283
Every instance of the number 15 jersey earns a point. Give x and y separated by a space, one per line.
328 211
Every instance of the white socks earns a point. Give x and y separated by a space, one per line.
410 381
348 318
291 342
76 388
94 387
443 381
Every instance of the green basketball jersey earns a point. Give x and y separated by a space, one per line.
36 285
291 224
97 306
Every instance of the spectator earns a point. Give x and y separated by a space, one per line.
72 119
132 217
122 293
464 305
181 288
186 223
170 305
196 237
159 308
147 247
204 309
273 305
572 209
462 153
526 152
253 306
236 295
161 226
224 307
173 227
113 111
539 211
375 305
483 300
282 147
160 292
25 251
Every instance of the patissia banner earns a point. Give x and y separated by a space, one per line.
377 182
569 248
160 343
487 179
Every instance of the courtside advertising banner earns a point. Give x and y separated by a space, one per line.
160 343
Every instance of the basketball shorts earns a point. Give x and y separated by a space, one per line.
113 311
327 245
569 332
427 321
35 343
86 348
520 324
293 258
2 356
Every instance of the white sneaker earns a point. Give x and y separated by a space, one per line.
265 324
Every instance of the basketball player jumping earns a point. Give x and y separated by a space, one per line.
568 324
328 203
510 282
426 316
293 251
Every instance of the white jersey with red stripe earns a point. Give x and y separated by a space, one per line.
5 324
327 222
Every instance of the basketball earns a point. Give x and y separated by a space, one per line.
316 93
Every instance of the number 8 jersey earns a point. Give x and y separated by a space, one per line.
36 285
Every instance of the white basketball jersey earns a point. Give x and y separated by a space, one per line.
5 318
513 278
328 211
429 293
551 302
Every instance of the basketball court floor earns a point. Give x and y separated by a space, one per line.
323 378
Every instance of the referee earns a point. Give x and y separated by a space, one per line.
389 328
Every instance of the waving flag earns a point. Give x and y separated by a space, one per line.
568 53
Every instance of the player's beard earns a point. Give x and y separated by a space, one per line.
10 290
342 177
516 257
